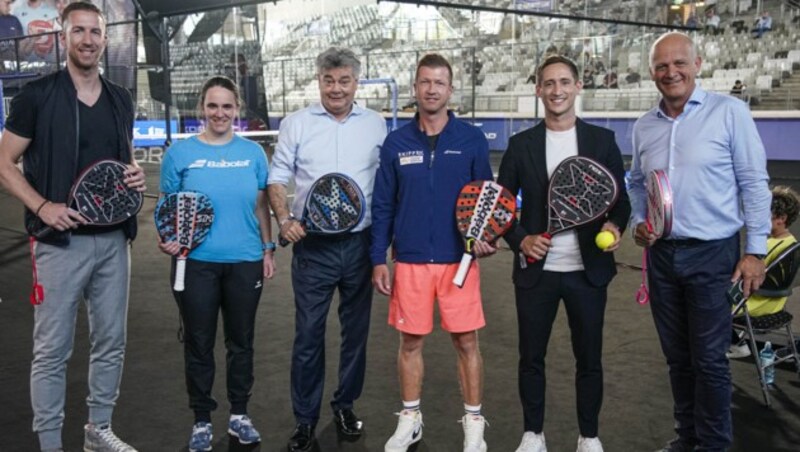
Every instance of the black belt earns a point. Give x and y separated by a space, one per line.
335 237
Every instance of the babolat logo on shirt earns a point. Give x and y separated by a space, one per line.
410 157
231 164
198 164
452 151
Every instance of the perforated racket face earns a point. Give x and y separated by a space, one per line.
185 217
484 210
101 196
659 203
334 205
581 191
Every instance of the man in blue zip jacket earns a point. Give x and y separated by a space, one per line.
423 167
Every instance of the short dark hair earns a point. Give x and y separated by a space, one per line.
222 82
785 202
434 60
81 6
555 59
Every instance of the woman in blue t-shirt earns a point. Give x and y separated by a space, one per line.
225 272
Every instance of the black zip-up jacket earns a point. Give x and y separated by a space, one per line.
46 111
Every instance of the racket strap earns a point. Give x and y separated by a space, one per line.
37 291
643 295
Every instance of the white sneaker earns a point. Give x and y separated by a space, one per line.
589 444
532 442
738 351
473 432
408 432
102 439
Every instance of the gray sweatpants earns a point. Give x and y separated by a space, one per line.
96 269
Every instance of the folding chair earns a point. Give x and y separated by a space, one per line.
777 284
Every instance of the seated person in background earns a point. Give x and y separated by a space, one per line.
738 88
610 80
691 22
712 21
785 207
762 25
588 78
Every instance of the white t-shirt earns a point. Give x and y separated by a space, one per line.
36 21
565 253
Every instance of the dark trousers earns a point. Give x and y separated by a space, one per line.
320 265
234 289
688 283
536 310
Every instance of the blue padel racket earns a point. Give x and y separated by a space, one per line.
100 195
334 205
184 217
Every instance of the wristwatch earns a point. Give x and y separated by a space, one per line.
268 246
758 256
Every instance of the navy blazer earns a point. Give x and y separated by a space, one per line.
524 167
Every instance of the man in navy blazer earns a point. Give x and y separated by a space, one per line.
568 266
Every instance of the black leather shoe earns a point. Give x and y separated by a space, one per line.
347 423
302 439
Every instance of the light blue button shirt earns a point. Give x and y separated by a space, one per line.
312 143
716 165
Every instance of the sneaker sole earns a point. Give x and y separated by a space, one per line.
411 445
241 441
201 450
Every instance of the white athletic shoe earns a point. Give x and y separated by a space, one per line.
589 444
532 442
473 432
738 351
408 432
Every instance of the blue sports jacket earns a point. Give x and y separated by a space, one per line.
413 205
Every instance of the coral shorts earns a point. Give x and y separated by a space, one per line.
417 286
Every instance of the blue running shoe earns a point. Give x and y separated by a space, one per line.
201 437
244 430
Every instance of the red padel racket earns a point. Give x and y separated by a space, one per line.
581 190
185 217
101 196
334 205
484 211
658 219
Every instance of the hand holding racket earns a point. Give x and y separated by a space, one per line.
334 205
484 211
581 190
658 221
101 197
185 218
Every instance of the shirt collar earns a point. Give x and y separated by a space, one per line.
697 98
318 109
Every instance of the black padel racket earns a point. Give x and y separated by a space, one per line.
658 220
334 205
101 197
484 211
184 217
581 190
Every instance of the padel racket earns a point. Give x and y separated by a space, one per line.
581 190
184 217
334 205
484 211
658 219
101 196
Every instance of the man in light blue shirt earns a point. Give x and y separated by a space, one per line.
709 147
335 135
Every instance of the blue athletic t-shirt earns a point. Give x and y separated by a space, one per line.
231 176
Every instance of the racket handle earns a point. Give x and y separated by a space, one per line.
180 274
282 241
463 269
545 235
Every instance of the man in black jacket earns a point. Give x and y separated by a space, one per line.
59 125
569 266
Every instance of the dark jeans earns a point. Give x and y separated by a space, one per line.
234 289
536 310
688 284
320 265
